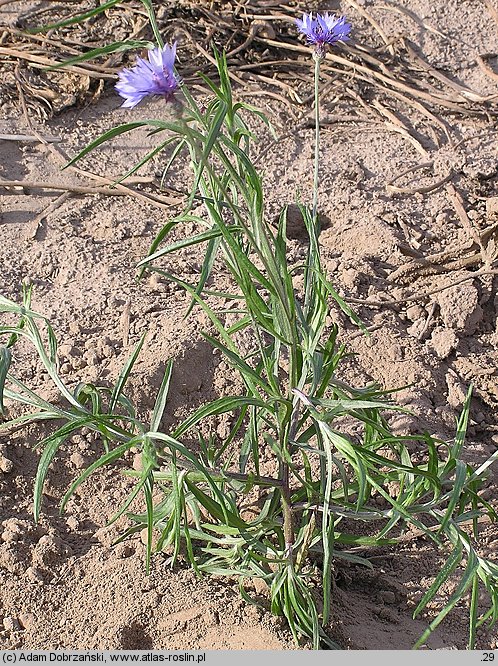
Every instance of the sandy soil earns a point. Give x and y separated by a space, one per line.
62 583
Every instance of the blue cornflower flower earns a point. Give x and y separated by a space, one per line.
322 30
154 76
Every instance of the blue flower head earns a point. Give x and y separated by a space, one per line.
154 76
323 30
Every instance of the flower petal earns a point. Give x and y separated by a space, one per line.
154 76
324 29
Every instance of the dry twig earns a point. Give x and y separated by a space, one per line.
422 294
420 189
115 189
35 224
28 138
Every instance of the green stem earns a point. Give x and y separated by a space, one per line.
287 514
285 491
310 262
317 60
288 520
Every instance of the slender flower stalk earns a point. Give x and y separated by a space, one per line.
285 491
317 141
321 31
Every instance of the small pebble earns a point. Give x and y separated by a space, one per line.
459 308
67 351
104 536
6 465
11 624
48 541
80 442
27 620
137 462
260 586
73 523
349 277
74 328
9 536
91 358
147 584
107 351
416 328
457 390
34 575
154 282
79 363
442 218
277 621
124 550
443 341
388 597
14 527
78 460
414 312
491 206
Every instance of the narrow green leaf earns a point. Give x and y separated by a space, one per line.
210 255
354 540
144 160
348 311
473 613
29 418
5 361
448 568
134 493
153 21
107 458
50 447
353 559
203 237
176 151
117 131
148 489
79 18
162 397
456 490
214 508
244 369
124 374
464 584
219 406
114 47
209 142
462 425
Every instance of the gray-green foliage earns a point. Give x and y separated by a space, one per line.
294 406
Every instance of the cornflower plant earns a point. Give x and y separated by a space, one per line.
294 406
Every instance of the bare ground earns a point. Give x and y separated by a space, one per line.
62 583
